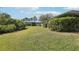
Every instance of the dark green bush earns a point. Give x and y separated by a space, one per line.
19 25
64 24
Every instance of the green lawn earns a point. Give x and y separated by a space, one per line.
38 38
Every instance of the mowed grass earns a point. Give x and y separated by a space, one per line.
37 38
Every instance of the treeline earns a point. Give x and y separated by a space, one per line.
8 24
38 21
32 21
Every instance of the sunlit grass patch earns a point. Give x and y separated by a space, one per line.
39 38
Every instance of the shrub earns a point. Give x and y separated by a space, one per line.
8 24
7 28
64 24
19 25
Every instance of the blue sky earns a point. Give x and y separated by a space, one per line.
21 12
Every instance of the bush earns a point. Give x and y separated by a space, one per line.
8 24
64 24
19 25
7 28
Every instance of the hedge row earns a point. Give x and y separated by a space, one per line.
8 24
64 24
7 28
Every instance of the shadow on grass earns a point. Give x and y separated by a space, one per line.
74 33
68 32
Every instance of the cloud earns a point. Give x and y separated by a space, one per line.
38 13
45 12
33 11
27 8
34 8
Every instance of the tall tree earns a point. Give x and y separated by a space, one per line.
33 19
45 19
4 18
26 19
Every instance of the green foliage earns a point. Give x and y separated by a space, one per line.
19 25
30 21
66 24
7 28
7 24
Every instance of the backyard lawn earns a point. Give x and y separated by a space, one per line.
37 38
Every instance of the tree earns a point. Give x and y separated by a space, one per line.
34 18
5 15
30 21
45 19
4 18
26 19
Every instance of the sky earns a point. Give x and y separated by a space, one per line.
22 12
